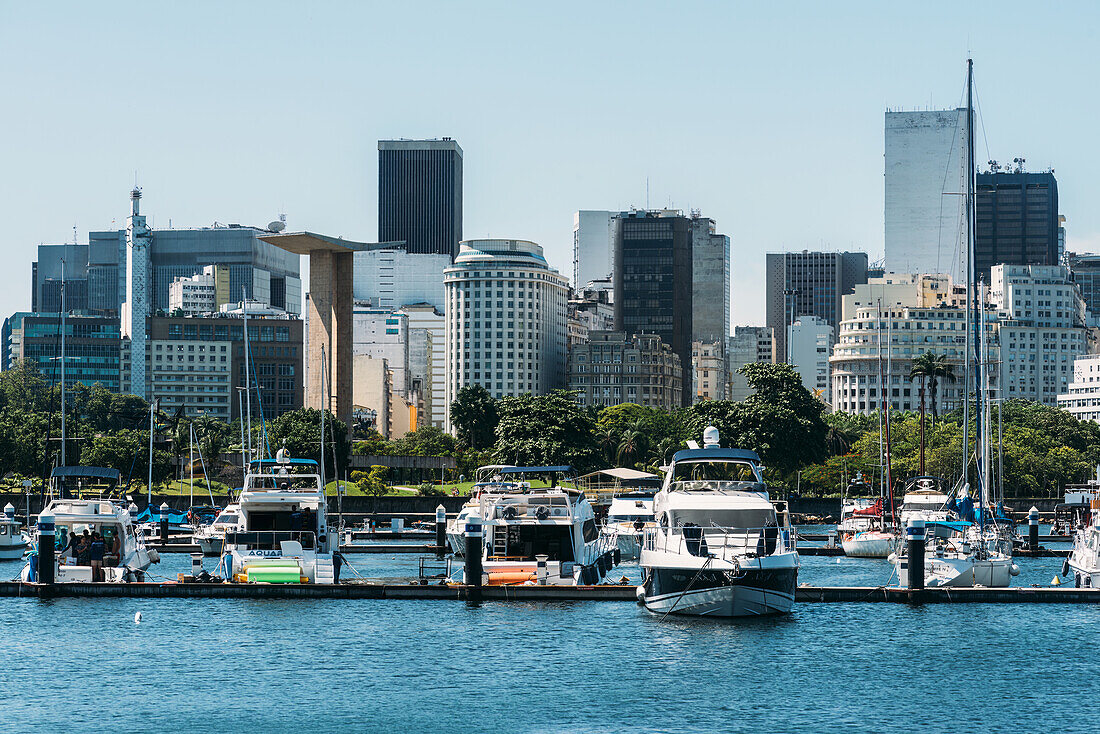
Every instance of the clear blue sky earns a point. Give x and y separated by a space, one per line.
766 116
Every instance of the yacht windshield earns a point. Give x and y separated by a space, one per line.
226 520
729 471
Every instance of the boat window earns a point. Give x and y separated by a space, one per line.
3 529
588 529
629 518
226 520
734 471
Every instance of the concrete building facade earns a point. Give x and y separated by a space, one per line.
708 371
811 340
613 368
1041 329
809 284
926 168
593 246
204 292
1082 397
747 344
391 277
196 376
506 319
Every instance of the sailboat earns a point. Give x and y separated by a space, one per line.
879 536
978 555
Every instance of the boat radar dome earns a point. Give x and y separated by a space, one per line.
710 437
281 456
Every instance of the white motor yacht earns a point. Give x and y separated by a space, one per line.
282 533
924 499
629 514
719 546
486 479
541 535
1084 558
125 556
12 542
211 538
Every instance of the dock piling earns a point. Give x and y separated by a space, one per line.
163 522
1033 528
45 548
914 537
440 531
474 548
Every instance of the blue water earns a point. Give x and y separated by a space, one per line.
444 666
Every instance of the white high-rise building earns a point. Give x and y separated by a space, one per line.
428 358
390 277
136 308
809 340
506 319
925 175
593 247
1082 397
1041 329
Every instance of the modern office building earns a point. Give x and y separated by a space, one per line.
1082 398
91 346
593 246
193 376
613 368
809 284
900 289
420 195
811 341
671 278
266 273
1085 272
1016 219
204 292
747 344
275 352
506 319
926 168
1041 329
875 344
391 277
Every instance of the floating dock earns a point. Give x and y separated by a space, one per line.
620 592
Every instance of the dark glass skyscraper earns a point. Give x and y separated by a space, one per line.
1016 220
420 195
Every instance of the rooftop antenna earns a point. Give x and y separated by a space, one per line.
74 234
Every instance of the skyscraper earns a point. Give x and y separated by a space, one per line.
136 308
925 174
420 195
1016 220
809 284
506 319
593 247
671 278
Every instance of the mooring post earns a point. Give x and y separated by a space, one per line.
1033 528
45 548
163 522
914 536
474 548
196 564
440 531
540 569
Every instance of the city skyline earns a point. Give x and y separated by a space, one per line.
225 121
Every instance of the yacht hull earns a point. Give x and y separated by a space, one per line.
754 592
12 552
868 545
961 572
210 546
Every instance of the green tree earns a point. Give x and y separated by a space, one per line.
781 420
300 432
372 443
22 441
24 387
536 430
632 444
474 415
373 482
424 441
127 451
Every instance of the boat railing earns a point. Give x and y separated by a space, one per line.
721 541
270 539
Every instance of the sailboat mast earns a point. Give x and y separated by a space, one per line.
882 404
62 316
972 284
969 270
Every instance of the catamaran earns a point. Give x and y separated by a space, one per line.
719 547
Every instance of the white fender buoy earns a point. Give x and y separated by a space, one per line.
892 558
137 617
1014 570
639 593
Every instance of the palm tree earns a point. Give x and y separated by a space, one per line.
608 440
631 444
922 368
938 367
